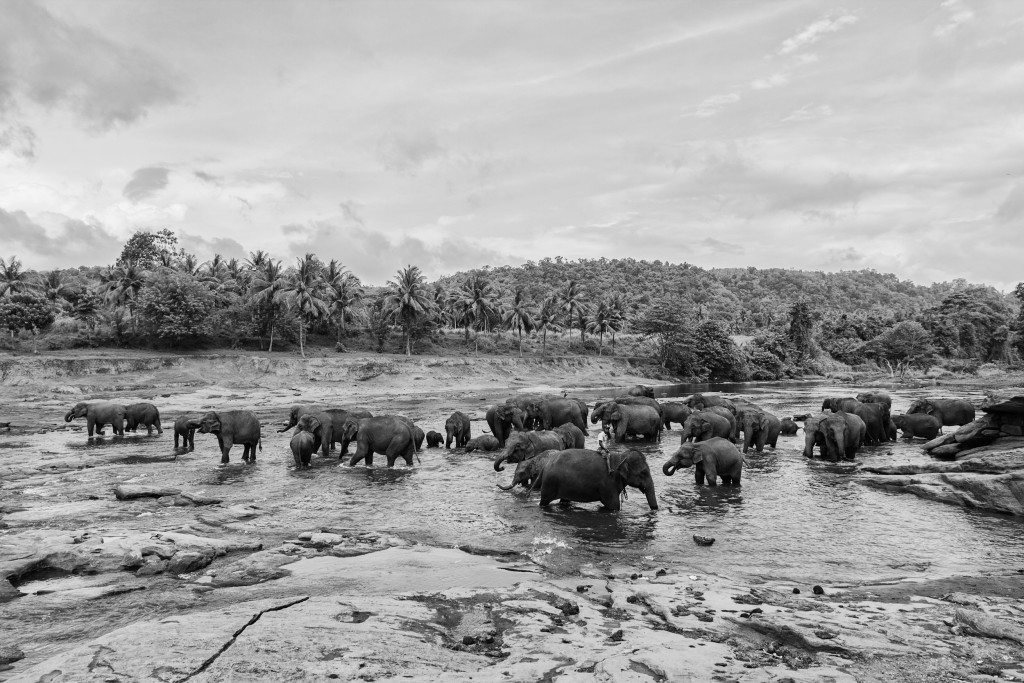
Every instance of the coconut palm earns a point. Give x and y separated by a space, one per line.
408 299
122 287
477 303
443 305
602 320
519 316
547 319
53 287
13 280
571 299
267 290
257 260
345 293
306 292
617 316
189 265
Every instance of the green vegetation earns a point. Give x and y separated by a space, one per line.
689 322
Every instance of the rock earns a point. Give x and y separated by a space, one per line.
796 591
1012 430
940 440
617 635
198 499
133 491
133 559
703 540
980 624
468 640
265 565
568 607
947 451
1010 405
958 598
185 561
818 590
10 654
153 565
321 540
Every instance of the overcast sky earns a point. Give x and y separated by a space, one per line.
802 134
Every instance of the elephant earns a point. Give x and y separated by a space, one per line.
320 425
503 418
528 471
918 424
553 412
390 435
788 427
836 404
572 437
702 401
641 390
231 427
876 420
524 445
629 420
675 412
837 435
303 444
296 412
484 442
184 430
760 428
584 476
434 439
142 415
950 411
417 437
638 401
457 428
97 415
338 418
876 396
711 459
730 417
704 425
332 421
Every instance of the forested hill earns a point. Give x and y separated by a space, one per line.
744 299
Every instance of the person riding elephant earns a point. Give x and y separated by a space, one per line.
338 418
675 412
760 428
528 471
950 411
553 412
572 437
502 419
484 442
434 439
711 459
837 435
231 427
704 425
457 427
142 415
184 430
789 427
98 414
702 401
583 476
524 445
389 435
876 396
918 425
641 390
837 404
642 421
303 444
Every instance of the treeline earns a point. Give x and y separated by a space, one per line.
728 324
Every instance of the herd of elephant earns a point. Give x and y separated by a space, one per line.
544 435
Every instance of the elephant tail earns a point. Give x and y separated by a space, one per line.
259 443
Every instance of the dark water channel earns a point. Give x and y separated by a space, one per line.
792 518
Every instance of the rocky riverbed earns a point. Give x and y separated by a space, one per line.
125 560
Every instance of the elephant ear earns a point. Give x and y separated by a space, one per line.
314 425
619 462
697 454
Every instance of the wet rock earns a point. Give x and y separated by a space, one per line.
185 561
134 491
997 493
10 654
259 567
964 599
976 623
133 559
153 565
796 591
818 590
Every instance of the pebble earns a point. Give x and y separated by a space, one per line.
796 591
818 590
617 635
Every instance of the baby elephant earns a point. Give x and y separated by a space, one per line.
486 442
434 439
185 431
711 459
918 424
789 428
303 444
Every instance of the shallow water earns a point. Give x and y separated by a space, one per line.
792 518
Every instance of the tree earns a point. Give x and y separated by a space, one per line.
407 300
267 293
801 330
547 319
54 288
122 287
478 304
600 323
571 297
902 346
720 358
519 316
1018 327
25 311
663 322
147 250
345 295
964 324
174 309
306 292
13 280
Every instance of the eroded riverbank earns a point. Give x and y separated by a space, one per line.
181 568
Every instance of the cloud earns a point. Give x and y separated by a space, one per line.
815 32
205 247
52 63
710 244
959 14
75 242
715 103
809 113
145 183
773 81
1012 207
407 152
18 140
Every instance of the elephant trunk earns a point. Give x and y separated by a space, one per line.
500 459
652 500
69 416
669 468
506 488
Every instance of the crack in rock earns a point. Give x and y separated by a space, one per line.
224 648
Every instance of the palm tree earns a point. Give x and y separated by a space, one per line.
570 296
189 265
306 291
519 316
257 260
547 319
13 280
123 285
583 320
477 303
408 299
602 321
443 311
267 290
617 311
345 293
53 287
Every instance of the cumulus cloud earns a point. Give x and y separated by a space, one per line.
815 32
145 183
74 243
52 63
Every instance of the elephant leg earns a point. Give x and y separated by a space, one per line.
90 425
712 479
726 480
118 426
159 429
698 474
191 439
298 459
225 449
610 501
176 438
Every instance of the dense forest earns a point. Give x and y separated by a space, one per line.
695 323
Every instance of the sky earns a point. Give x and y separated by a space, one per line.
449 135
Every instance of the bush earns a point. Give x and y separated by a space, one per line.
25 312
174 309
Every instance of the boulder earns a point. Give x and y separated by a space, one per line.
976 623
1005 405
133 491
10 654
185 561
265 565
